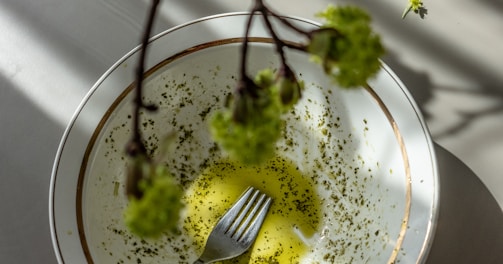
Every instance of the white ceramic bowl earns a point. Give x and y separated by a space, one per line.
366 153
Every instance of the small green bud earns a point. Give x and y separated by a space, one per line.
137 171
321 43
289 87
241 108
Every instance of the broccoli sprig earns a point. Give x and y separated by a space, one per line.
155 204
346 46
249 126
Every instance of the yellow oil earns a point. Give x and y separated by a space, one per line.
293 215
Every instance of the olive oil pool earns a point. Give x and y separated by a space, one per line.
294 215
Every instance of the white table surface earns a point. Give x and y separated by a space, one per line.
52 52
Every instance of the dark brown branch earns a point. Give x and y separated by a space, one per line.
287 23
244 47
245 82
136 146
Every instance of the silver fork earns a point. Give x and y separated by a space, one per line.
237 229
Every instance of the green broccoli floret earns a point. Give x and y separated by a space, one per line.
346 46
157 210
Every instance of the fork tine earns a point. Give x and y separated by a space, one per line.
224 242
228 218
243 225
243 212
253 229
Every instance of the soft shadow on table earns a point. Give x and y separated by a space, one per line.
29 139
470 222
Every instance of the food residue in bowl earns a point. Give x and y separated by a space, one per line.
334 208
294 214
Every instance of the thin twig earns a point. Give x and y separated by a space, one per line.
136 145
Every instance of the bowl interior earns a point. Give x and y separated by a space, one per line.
341 168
